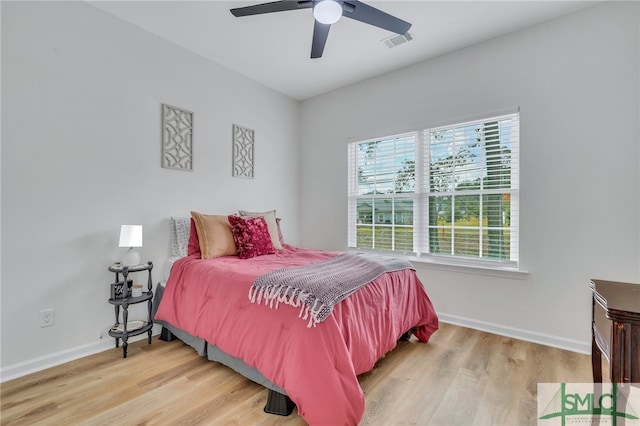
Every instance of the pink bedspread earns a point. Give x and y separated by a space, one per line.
317 367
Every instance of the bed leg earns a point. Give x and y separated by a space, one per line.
407 335
166 335
278 403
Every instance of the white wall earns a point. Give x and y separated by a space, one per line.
576 81
81 150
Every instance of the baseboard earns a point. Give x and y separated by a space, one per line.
38 364
51 360
517 333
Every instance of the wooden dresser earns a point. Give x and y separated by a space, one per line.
616 330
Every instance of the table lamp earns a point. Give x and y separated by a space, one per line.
131 236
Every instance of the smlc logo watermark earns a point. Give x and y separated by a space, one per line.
614 404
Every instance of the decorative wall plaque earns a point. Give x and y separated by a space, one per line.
243 140
177 138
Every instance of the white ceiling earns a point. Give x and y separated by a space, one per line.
274 49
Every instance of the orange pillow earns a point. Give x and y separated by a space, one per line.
214 235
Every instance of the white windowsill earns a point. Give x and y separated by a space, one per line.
440 265
469 269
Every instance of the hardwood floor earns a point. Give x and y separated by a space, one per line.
461 377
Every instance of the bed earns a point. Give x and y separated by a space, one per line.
305 356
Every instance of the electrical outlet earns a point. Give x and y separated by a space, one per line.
46 317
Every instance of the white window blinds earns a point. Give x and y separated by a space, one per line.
449 191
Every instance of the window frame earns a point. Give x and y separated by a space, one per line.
421 251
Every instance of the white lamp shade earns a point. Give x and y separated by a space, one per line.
327 12
131 236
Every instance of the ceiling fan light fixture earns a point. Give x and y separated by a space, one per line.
327 12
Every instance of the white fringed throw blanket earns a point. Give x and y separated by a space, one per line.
318 287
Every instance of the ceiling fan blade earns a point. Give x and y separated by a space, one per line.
320 34
370 15
274 6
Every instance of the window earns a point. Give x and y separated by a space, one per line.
450 191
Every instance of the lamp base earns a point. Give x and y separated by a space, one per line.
131 258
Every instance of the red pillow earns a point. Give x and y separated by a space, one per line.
251 236
194 243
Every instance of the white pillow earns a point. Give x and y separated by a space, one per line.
270 218
180 228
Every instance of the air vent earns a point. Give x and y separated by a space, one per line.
397 39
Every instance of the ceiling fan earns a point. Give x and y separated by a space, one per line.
327 12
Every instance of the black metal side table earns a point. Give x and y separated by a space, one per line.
121 296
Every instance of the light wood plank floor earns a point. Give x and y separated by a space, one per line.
461 377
